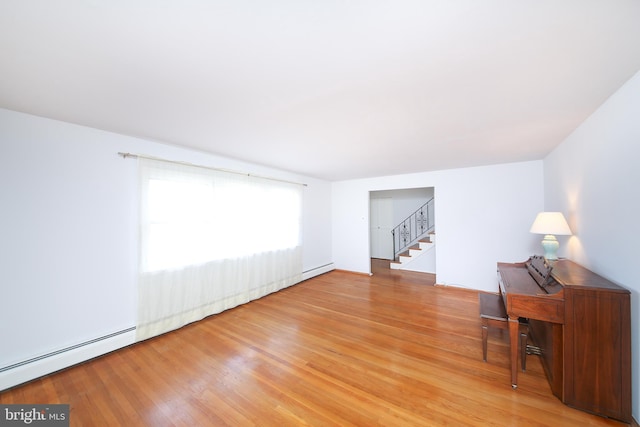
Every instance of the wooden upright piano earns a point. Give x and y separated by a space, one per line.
581 324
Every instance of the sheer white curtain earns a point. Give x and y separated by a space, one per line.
211 240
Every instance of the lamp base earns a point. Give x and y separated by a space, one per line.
550 245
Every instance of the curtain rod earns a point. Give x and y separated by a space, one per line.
142 156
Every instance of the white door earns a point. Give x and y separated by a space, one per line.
381 223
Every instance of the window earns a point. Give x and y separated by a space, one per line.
197 217
211 240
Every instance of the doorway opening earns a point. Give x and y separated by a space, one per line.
388 209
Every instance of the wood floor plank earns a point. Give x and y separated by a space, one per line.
341 349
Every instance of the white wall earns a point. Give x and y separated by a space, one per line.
68 233
483 216
593 177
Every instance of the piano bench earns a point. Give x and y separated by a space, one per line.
493 313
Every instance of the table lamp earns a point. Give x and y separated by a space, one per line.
550 224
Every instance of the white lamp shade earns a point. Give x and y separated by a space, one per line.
551 223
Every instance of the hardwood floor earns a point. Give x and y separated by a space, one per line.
338 350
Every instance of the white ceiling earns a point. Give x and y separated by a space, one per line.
335 89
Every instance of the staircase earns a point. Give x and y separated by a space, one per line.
408 260
414 237
413 228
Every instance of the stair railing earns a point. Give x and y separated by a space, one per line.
413 228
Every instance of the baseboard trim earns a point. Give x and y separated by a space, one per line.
37 367
318 271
